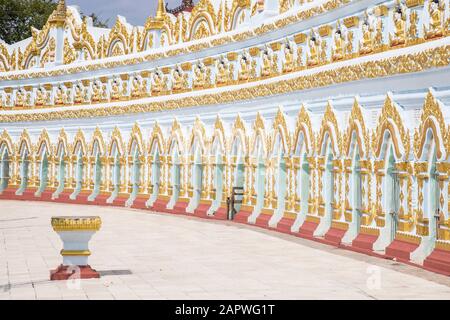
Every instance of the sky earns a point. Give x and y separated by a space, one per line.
136 11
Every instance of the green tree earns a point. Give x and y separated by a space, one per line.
18 16
96 20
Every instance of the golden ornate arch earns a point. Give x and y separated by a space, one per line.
118 33
219 133
236 8
259 130
239 131
30 52
25 139
80 140
279 126
44 138
63 141
202 12
97 135
431 118
199 131
83 39
330 126
356 123
136 136
175 135
116 136
5 138
156 137
390 120
303 125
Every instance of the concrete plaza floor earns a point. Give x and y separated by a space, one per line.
145 255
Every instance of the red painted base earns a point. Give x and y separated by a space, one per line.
334 236
101 199
46 196
63 197
221 214
180 207
263 220
400 250
364 242
160 205
241 216
81 198
307 229
8 193
29 194
119 202
202 210
69 272
438 261
139 203
284 225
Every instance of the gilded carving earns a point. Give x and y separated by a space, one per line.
431 118
390 120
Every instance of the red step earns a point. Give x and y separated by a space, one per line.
335 235
221 214
139 203
65 198
160 205
284 225
364 242
263 220
119 202
28 194
101 199
201 211
438 261
400 249
241 216
8 193
46 196
307 229
180 207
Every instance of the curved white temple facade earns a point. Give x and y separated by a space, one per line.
332 116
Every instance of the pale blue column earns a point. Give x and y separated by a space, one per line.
175 177
97 177
390 204
4 170
43 175
218 183
135 178
24 168
78 175
156 176
115 178
61 177
328 192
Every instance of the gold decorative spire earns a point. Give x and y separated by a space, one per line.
158 21
58 16
161 10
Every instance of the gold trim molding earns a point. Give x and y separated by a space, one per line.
407 63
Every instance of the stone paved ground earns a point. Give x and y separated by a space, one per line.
143 255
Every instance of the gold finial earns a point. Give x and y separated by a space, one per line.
161 10
61 6
58 16
158 21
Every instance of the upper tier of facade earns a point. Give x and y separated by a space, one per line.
223 50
